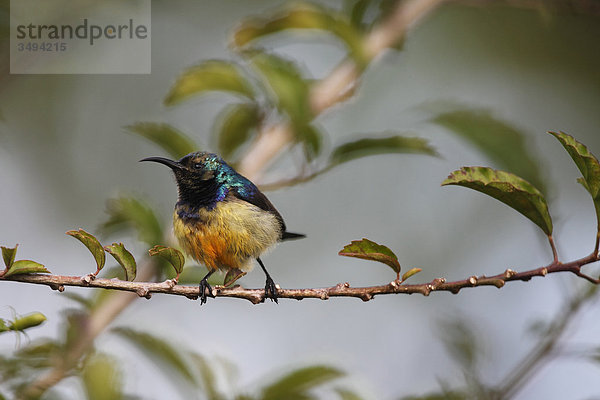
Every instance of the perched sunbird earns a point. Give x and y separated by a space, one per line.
221 219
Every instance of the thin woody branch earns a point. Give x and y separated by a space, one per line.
255 296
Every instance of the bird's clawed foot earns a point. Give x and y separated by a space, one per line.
270 290
204 286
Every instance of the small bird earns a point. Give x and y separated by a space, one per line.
222 220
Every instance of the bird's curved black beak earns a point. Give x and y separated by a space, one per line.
174 165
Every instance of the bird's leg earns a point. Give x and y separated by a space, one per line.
270 288
204 286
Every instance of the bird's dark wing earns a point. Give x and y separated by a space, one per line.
260 200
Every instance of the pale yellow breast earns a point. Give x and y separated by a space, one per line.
231 235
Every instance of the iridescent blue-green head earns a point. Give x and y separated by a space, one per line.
203 179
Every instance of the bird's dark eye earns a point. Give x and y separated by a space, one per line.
197 166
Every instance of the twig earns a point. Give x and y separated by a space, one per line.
545 349
295 180
553 246
146 289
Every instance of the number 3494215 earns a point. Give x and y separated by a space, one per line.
42 46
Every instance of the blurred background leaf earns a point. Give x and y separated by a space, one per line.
234 126
102 379
287 87
163 354
168 138
211 75
299 383
502 142
374 146
303 16
128 212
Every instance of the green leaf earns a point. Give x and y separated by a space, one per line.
444 395
410 272
3 326
289 91
304 16
209 380
8 255
26 267
346 394
233 274
163 354
102 379
312 141
461 342
93 246
234 127
357 10
43 348
372 146
27 321
596 200
124 258
510 189
86 302
170 139
127 212
364 14
169 254
368 250
500 141
297 383
212 75
586 162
